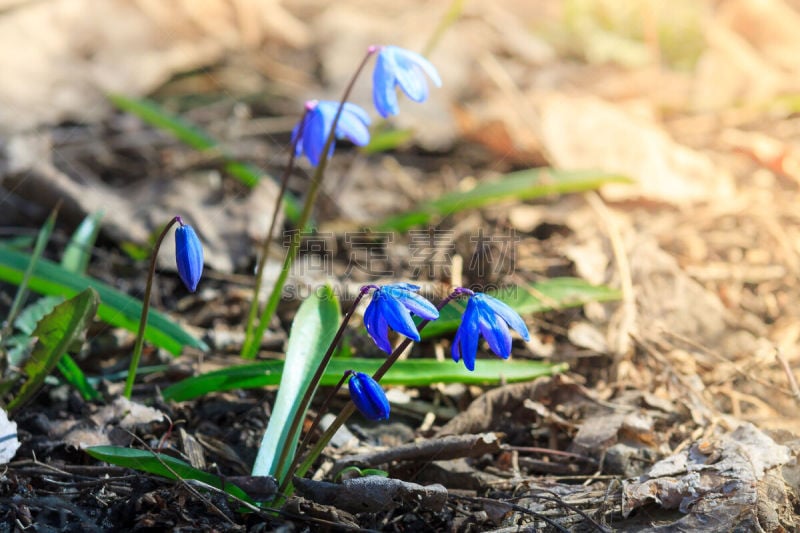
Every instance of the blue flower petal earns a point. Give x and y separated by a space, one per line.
376 325
495 331
419 305
368 396
314 136
505 312
188 256
420 62
383 93
465 344
353 128
398 317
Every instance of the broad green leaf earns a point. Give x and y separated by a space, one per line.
313 329
23 284
79 249
116 308
57 333
32 314
162 465
191 135
555 293
410 372
522 185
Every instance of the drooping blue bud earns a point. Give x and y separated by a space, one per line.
368 396
188 255
398 67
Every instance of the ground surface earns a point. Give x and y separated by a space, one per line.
678 411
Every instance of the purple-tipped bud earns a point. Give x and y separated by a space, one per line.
368 396
188 256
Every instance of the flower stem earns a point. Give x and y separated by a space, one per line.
299 414
301 468
265 245
252 342
137 347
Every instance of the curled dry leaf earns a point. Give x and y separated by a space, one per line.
728 485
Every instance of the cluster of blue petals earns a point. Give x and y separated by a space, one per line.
392 307
487 316
395 68
316 126
398 67
368 396
188 256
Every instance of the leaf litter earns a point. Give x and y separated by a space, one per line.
679 410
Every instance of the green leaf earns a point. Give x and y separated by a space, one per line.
410 372
32 314
548 295
23 284
385 140
76 259
116 308
522 185
162 465
78 251
313 329
191 135
57 333
75 377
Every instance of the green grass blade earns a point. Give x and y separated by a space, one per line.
116 308
162 465
79 249
74 376
22 289
410 372
313 329
194 137
522 185
548 295
57 332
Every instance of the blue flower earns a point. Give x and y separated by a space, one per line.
319 116
368 396
399 67
487 316
188 255
391 306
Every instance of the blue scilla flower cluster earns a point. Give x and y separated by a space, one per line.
395 68
394 306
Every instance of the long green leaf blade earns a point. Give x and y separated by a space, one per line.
57 333
162 465
410 372
78 251
522 185
116 308
22 289
313 330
